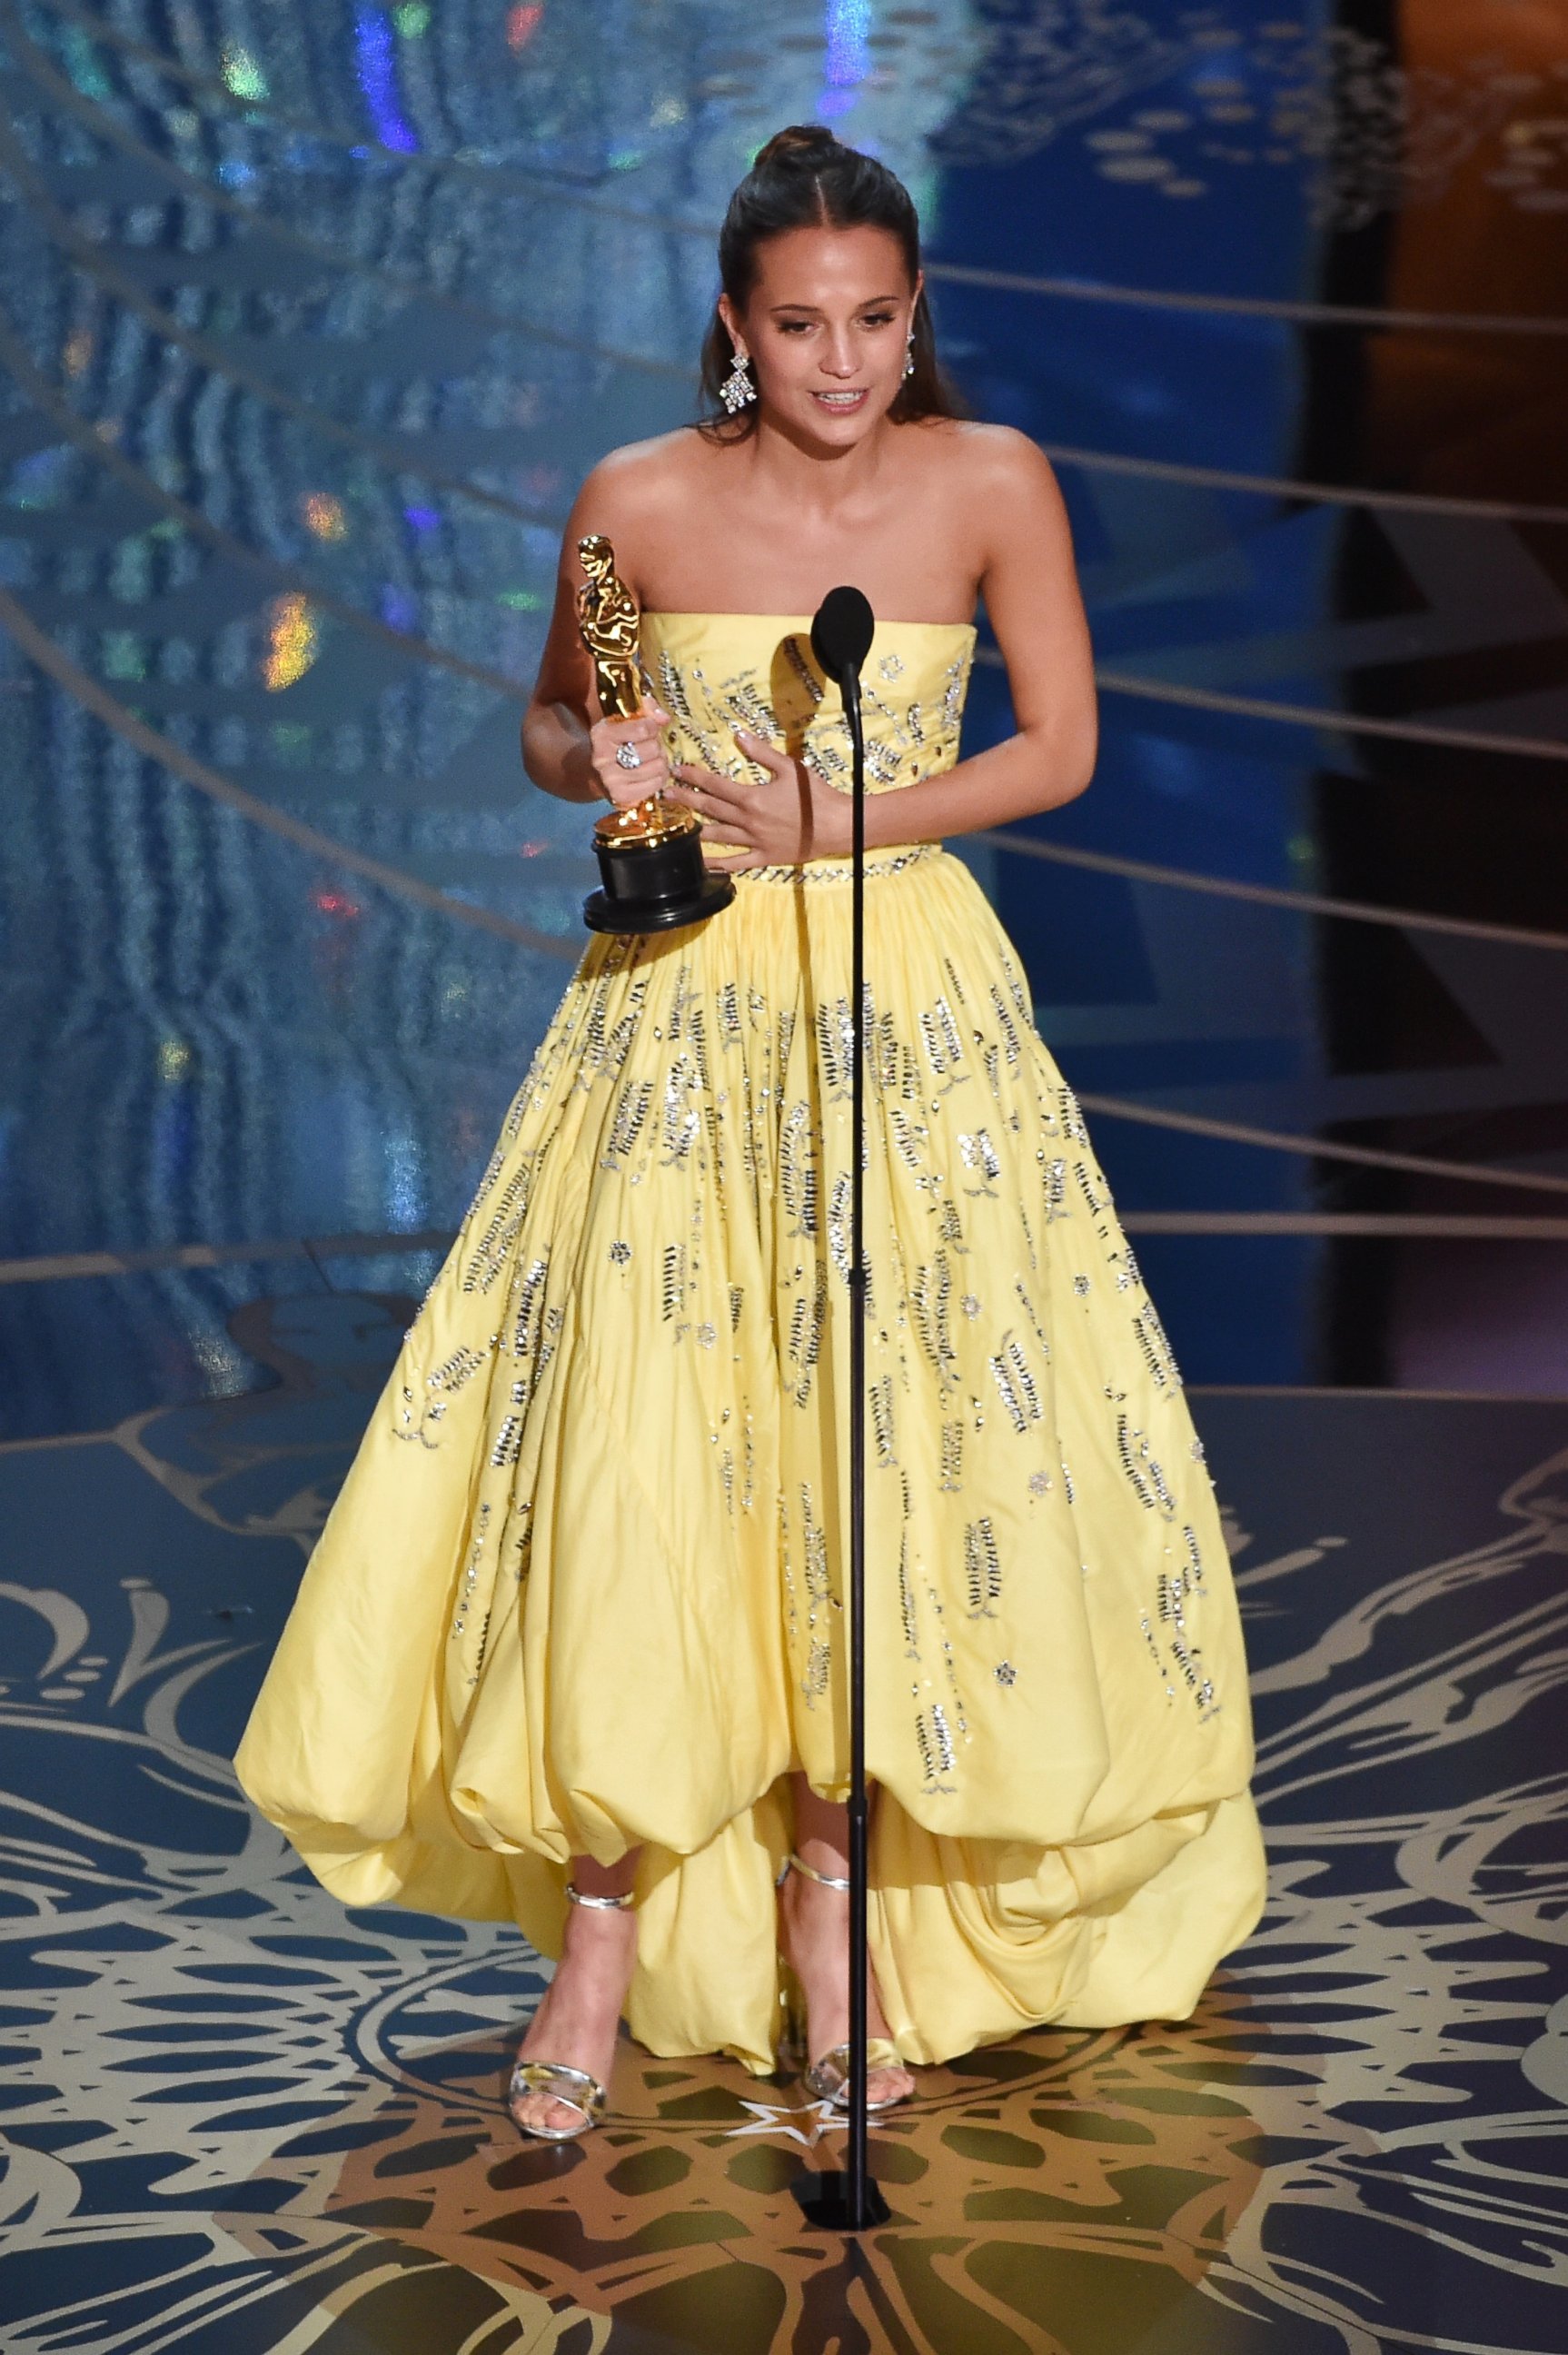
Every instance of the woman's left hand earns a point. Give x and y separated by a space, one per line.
794 816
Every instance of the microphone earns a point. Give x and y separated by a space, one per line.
842 633
849 2199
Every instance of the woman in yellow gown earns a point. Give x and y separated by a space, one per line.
575 1624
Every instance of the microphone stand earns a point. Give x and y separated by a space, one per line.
850 2201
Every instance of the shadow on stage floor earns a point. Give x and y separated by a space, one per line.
240 2118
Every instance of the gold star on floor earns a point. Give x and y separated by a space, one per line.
772 2118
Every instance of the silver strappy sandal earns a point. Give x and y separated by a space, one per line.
828 2077
574 2089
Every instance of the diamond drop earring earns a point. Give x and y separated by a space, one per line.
737 388
908 354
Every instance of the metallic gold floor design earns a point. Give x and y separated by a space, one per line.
238 2118
1130 2157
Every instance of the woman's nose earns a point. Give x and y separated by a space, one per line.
839 358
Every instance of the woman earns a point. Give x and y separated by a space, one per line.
573 1630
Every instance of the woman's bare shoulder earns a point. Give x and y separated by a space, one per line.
643 476
978 458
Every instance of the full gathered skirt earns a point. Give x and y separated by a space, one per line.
584 1587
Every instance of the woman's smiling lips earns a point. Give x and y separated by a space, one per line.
842 404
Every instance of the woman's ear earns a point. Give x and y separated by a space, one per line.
732 326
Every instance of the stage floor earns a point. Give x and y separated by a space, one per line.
238 2118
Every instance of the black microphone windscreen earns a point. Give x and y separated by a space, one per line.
842 633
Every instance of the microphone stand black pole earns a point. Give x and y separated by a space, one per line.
849 2202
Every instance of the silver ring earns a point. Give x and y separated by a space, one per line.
628 757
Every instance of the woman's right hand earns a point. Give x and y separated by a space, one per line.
617 782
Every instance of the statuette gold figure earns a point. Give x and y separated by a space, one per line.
649 853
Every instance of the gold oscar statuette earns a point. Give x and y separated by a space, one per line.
650 854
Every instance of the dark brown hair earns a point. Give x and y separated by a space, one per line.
805 178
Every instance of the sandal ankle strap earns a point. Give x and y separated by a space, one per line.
603 1904
794 1863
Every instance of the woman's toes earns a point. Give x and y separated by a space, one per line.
542 2111
888 2086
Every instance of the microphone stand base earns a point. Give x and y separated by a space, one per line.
824 2200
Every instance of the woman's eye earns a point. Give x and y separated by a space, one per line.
803 326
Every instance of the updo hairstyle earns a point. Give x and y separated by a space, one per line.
805 178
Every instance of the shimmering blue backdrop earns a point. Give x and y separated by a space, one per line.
314 320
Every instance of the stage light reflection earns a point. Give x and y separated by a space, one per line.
847 29
291 643
376 68
323 515
242 75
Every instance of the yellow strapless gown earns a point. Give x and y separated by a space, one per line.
582 1587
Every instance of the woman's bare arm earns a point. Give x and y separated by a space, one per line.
1030 589
557 751
568 749
556 723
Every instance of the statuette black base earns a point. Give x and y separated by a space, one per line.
652 887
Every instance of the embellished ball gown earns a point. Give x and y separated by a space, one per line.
584 1587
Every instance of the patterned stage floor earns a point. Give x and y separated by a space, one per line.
237 2119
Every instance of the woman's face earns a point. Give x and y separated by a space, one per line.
826 327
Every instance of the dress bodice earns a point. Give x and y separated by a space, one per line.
716 672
